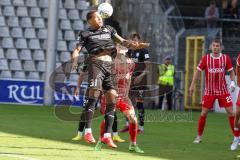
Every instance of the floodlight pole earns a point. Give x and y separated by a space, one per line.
51 51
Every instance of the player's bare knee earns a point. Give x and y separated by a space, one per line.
111 96
229 111
133 119
94 93
204 113
112 92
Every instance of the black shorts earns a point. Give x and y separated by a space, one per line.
139 92
101 75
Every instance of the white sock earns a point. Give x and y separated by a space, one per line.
88 130
127 123
141 128
106 135
80 133
115 133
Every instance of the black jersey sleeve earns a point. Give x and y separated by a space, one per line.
112 30
146 54
81 38
82 67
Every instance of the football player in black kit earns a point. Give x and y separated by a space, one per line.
99 40
139 80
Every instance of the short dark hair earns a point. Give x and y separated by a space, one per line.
90 13
213 2
217 40
135 35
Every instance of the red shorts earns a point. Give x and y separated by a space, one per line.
121 105
238 100
223 100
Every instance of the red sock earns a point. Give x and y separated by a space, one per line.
102 128
201 124
133 132
231 122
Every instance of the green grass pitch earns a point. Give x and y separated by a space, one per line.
35 133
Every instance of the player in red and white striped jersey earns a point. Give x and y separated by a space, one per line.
123 68
237 117
215 66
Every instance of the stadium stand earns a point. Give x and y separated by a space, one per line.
230 33
23 35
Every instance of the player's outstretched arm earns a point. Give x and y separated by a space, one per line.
74 56
80 80
130 44
193 84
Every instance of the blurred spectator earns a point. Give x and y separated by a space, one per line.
234 9
212 15
225 13
234 14
226 9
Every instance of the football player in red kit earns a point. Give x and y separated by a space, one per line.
237 117
123 69
215 66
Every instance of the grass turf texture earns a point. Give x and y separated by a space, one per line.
34 133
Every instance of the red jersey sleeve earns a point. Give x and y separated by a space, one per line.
229 66
202 64
238 60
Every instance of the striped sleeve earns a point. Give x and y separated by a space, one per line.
202 64
229 66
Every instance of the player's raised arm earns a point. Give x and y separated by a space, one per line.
129 43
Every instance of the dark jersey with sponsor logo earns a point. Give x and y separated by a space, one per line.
97 40
139 56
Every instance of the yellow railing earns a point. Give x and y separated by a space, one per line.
194 53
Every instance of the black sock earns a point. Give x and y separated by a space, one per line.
141 112
82 122
115 123
109 117
89 111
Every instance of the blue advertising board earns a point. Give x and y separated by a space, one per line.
31 92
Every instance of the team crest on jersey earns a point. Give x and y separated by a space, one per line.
105 30
137 54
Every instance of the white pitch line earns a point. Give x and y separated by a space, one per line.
16 156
